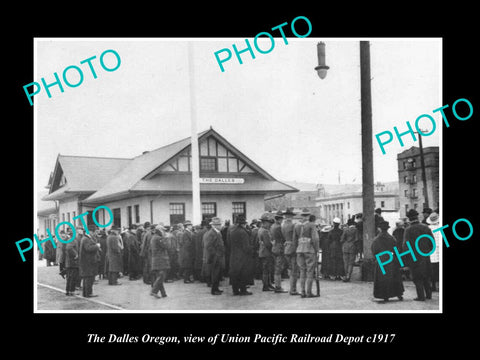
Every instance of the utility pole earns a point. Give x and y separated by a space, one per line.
424 176
367 151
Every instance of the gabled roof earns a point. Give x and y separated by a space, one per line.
84 174
107 179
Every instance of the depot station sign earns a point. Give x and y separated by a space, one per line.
222 180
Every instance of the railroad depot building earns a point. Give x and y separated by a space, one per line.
156 186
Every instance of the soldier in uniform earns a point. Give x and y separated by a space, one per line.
307 249
349 246
265 250
290 250
278 243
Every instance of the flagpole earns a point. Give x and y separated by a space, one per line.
195 166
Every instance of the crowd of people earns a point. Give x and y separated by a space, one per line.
271 249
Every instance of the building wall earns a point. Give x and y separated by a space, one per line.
156 209
67 210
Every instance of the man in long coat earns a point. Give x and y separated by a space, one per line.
187 252
265 251
323 240
160 261
419 269
215 254
145 253
389 284
349 248
198 243
134 262
101 237
337 268
240 257
114 257
88 261
72 252
278 246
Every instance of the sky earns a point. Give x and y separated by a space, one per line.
274 108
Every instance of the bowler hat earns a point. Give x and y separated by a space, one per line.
384 225
427 211
412 214
216 221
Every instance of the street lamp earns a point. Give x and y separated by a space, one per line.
321 68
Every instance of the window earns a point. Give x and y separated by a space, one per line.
137 213
405 179
239 208
129 215
73 217
414 164
177 213
404 165
405 192
414 178
414 193
406 209
382 204
117 219
209 210
348 205
208 164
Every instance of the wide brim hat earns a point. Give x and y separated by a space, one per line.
187 222
216 221
433 218
326 228
267 217
279 215
289 211
305 212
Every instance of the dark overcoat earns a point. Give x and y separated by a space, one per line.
72 253
49 252
241 264
187 249
420 267
198 243
323 240
114 253
134 260
159 252
389 284
214 249
336 267
88 260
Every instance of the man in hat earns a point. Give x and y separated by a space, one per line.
198 244
433 223
290 250
426 213
359 226
307 244
215 254
378 219
240 256
398 233
257 266
134 263
145 252
323 241
160 261
71 262
114 256
187 252
337 268
265 251
349 247
419 268
88 261
278 242
389 284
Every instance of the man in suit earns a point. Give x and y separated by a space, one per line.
88 261
160 261
278 242
215 254
240 256
419 269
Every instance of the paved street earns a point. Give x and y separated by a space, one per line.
134 295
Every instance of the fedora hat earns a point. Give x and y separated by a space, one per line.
216 221
305 212
267 217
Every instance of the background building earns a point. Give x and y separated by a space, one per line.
411 190
156 186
